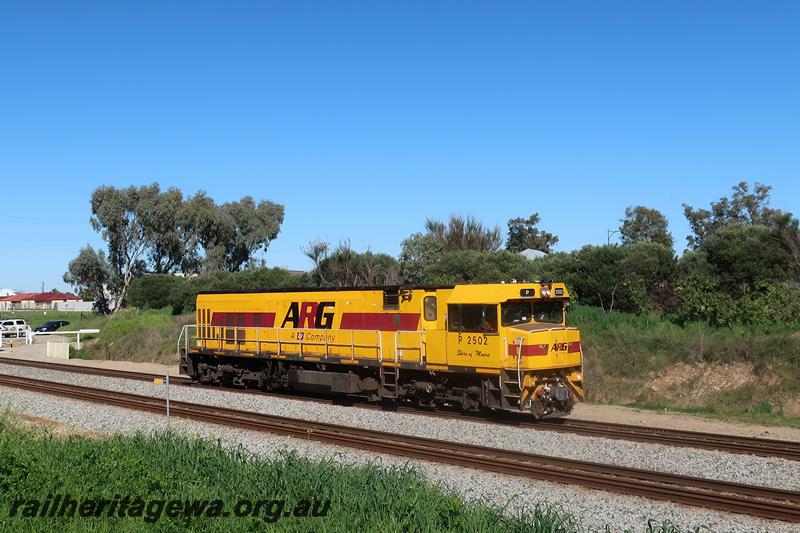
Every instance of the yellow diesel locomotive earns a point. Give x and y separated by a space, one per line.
487 347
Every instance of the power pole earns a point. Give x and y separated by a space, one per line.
610 233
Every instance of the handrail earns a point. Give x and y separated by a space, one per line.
184 332
280 342
178 344
397 346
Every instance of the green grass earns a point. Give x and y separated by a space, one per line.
77 319
633 345
137 335
35 464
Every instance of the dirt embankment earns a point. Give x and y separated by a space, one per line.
701 385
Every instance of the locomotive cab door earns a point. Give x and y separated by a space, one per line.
473 337
434 337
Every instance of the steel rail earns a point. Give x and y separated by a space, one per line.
752 500
669 437
676 437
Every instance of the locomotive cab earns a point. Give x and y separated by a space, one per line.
542 341
538 355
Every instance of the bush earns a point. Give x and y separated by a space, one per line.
159 291
470 266
702 299
154 291
634 277
745 256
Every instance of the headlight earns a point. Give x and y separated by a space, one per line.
545 291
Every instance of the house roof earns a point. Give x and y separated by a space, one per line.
17 297
40 297
46 297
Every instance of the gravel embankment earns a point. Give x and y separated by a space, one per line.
595 508
779 473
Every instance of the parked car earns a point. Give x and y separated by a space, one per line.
51 325
15 327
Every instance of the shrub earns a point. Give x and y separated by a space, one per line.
154 291
470 266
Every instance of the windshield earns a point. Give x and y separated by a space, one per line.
514 313
550 312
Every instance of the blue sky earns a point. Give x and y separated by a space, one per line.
365 118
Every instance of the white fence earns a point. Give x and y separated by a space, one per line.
74 306
30 335
77 334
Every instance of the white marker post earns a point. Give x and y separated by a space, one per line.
164 381
167 399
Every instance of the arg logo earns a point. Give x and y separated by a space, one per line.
310 315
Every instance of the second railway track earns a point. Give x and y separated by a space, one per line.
670 437
752 500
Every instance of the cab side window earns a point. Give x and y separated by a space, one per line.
429 307
472 318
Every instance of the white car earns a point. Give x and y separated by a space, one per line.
15 327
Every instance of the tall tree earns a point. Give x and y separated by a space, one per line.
642 224
89 274
418 254
118 215
523 234
202 220
344 267
317 250
163 218
743 207
148 230
245 228
464 233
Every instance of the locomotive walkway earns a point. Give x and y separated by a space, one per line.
752 500
669 437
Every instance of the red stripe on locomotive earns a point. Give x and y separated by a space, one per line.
528 349
380 321
244 320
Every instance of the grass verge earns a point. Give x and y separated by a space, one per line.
35 465
76 319
137 335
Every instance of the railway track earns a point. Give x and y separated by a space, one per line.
670 437
752 500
